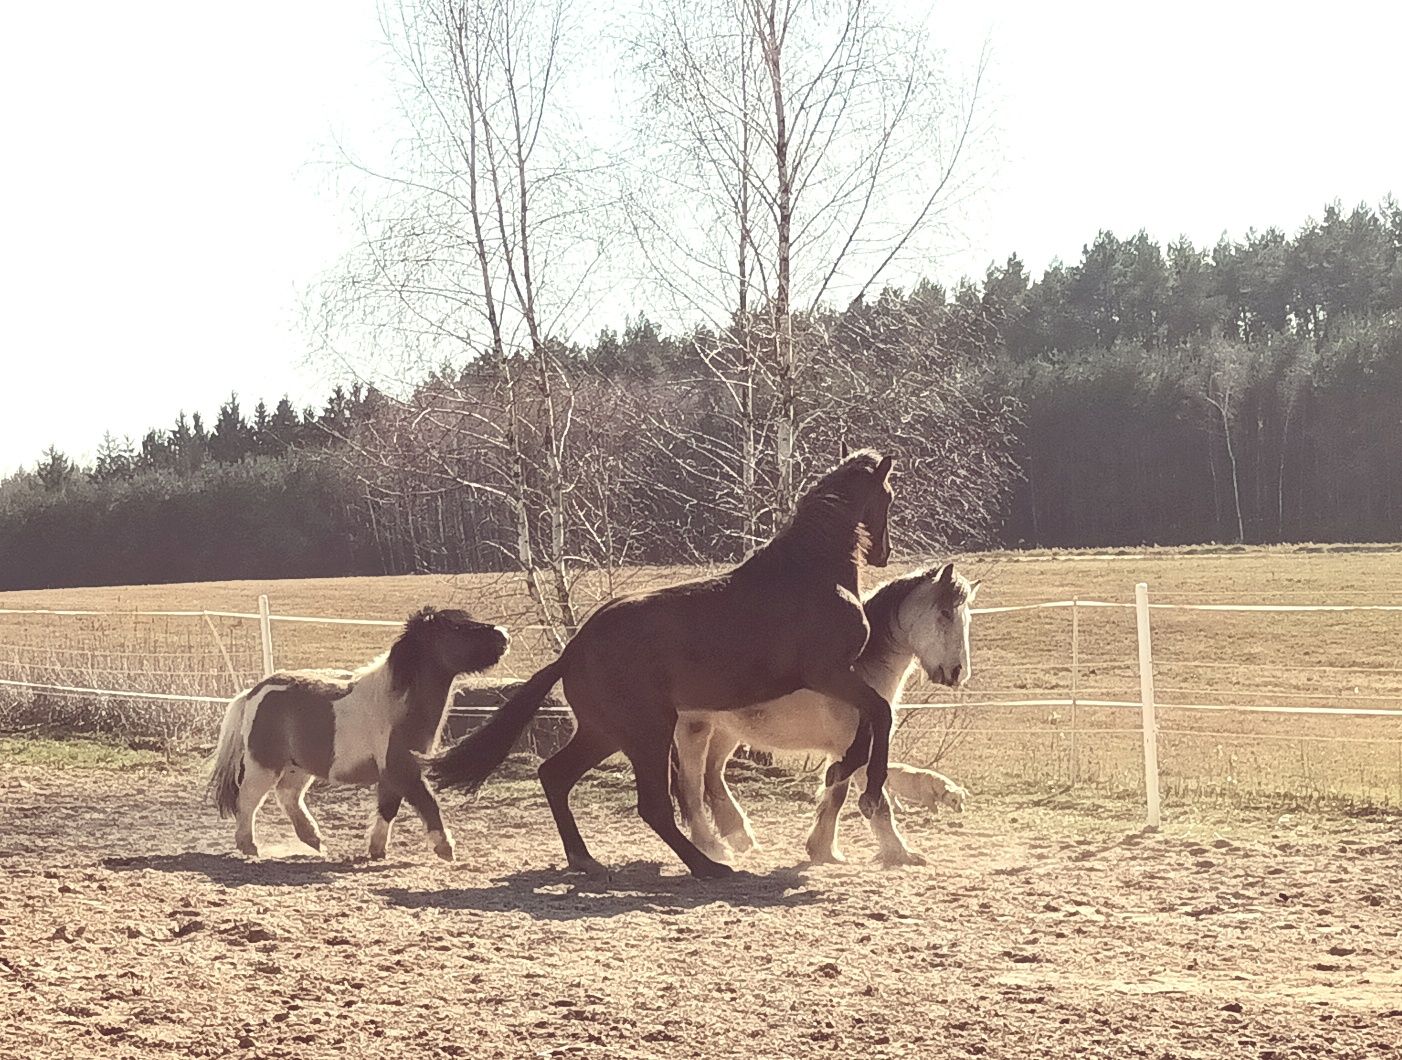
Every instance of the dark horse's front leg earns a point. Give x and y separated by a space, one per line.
853 758
872 744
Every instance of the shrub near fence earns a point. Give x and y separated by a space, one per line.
1296 700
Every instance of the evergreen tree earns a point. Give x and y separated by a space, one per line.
55 470
232 440
115 460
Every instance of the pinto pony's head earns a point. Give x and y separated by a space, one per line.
447 641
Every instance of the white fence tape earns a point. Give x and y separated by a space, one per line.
986 698
69 690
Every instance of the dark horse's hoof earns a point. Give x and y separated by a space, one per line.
869 803
712 870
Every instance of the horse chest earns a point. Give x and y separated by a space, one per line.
362 734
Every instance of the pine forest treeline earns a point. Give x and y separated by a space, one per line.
1250 391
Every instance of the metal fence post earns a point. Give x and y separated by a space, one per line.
1146 696
1075 682
265 627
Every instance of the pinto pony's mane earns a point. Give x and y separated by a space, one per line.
411 650
827 522
411 658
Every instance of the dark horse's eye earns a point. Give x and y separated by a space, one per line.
947 613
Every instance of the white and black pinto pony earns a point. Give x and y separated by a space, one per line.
358 727
921 619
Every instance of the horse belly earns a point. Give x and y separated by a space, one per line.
362 771
803 721
361 737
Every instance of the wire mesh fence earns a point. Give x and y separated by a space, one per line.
1295 699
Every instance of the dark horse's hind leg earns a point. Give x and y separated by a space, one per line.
650 754
558 775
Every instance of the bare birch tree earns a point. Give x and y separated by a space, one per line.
477 242
797 152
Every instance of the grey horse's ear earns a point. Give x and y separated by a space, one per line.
883 469
973 590
842 449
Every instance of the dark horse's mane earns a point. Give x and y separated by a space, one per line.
825 525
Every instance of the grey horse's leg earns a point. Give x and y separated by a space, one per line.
693 740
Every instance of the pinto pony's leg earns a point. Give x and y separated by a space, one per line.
694 738
292 796
386 809
729 815
257 781
401 775
426 806
558 775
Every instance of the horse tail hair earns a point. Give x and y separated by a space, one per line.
226 764
467 763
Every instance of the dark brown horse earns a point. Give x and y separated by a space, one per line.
789 617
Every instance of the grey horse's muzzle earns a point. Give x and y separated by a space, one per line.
952 678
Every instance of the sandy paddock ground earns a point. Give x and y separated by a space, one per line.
129 928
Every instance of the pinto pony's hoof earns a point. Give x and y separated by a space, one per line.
443 844
247 846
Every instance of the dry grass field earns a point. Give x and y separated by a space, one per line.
1301 659
1261 921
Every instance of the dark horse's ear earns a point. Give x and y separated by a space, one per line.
883 469
946 574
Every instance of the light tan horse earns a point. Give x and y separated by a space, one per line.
921 620
789 617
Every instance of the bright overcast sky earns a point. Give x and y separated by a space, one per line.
161 214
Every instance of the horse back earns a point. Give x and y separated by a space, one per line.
715 644
293 723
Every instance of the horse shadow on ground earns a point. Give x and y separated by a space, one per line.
231 871
638 886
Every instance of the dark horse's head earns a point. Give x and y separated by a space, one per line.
858 494
448 641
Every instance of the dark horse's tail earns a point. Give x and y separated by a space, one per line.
471 760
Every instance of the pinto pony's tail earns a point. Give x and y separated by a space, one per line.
226 764
466 764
